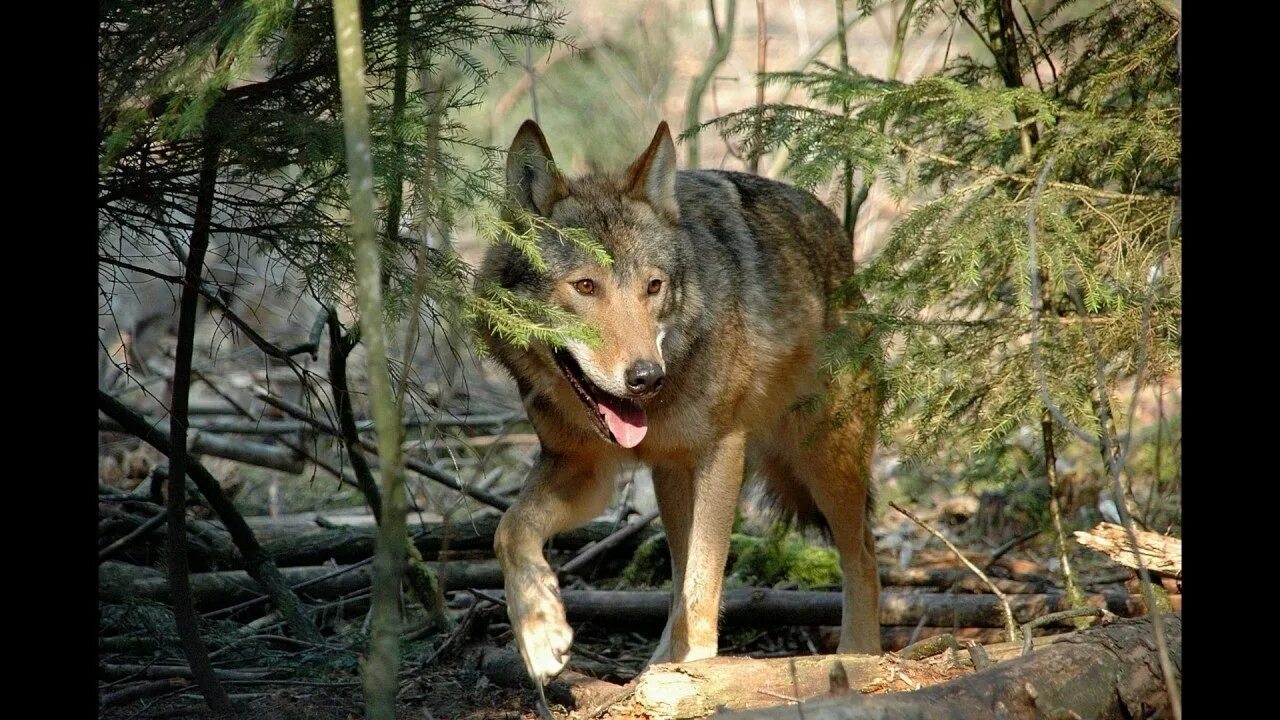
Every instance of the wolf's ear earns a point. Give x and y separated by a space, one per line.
652 177
532 178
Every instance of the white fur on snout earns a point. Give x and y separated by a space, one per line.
538 620
613 382
662 333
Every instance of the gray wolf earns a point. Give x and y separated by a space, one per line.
709 319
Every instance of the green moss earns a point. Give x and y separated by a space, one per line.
783 558
650 566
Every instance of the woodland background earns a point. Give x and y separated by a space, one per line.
1009 173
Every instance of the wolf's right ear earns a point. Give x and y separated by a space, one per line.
532 178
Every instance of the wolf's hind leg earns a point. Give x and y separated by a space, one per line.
562 492
697 506
838 478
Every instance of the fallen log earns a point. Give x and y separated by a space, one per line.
962 579
779 607
1160 553
1103 673
352 544
293 542
638 610
109 671
119 581
759 607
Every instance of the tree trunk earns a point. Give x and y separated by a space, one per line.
380 670
184 612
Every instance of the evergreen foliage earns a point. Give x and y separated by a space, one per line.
1073 126
259 79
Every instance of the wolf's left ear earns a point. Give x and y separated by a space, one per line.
652 177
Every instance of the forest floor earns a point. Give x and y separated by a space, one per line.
471 673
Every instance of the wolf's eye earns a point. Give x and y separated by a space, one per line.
654 286
585 286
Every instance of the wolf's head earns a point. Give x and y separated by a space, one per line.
632 303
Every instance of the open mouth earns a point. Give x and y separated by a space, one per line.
617 419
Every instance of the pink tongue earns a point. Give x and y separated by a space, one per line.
628 426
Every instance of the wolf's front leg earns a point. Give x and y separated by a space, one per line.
697 511
563 492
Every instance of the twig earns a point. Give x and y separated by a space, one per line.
1009 545
1010 626
762 43
597 549
1055 511
929 647
1079 612
924 617
340 346
253 425
146 689
780 696
278 638
312 345
414 464
795 686
107 552
296 447
456 635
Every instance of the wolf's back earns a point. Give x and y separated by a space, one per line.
768 244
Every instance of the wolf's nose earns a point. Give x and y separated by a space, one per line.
644 376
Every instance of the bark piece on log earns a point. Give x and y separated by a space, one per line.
1103 672
1160 553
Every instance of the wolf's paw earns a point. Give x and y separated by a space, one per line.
537 617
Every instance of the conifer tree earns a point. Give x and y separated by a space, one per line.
260 79
1067 120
